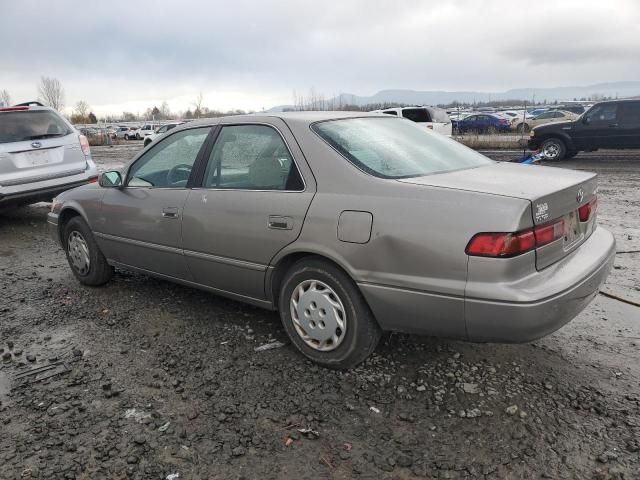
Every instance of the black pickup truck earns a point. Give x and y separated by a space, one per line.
610 124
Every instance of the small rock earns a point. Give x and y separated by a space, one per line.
421 388
6 356
140 440
31 357
10 345
238 451
512 410
471 388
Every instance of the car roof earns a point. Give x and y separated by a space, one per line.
306 117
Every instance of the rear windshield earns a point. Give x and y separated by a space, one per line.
439 115
394 148
31 125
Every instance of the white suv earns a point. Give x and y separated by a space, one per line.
431 117
41 155
159 131
146 129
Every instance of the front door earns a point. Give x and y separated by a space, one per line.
252 203
598 128
140 224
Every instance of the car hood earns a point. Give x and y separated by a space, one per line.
557 187
567 125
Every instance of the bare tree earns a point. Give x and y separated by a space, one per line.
51 92
197 111
165 112
82 108
5 98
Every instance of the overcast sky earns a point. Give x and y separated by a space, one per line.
130 55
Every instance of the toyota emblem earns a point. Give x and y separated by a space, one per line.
580 195
36 144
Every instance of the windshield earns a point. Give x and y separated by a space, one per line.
388 147
31 125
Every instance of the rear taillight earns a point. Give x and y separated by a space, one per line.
508 244
93 179
13 109
549 232
588 209
430 126
501 245
84 144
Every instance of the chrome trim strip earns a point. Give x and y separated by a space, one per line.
187 253
139 243
225 260
40 178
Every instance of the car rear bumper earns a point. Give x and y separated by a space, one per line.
574 281
535 307
42 193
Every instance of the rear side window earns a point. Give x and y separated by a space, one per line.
417 114
31 125
390 148
630 113
439 115
391 112
251 157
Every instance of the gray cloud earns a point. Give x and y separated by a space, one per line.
115 54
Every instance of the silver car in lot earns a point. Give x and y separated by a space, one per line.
41 155
348 224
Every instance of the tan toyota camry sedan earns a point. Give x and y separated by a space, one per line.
348 224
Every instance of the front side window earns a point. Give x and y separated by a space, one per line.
392 148
251 157
169 163
602 113
20 126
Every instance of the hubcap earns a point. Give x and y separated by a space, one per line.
551 150
78 253
318 315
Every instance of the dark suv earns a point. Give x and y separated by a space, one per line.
611 124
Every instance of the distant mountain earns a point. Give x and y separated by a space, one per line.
417 97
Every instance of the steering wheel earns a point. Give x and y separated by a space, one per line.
179 175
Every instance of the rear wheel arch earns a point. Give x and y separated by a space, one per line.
282 266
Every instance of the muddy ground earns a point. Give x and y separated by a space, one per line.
145 379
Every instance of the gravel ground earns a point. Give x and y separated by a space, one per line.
147 379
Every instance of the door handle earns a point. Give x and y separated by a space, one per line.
170 212
278 222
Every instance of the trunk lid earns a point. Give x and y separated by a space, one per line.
554 193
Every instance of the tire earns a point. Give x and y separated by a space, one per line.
553 149
126 137
360 332
79 244
523 128
146 142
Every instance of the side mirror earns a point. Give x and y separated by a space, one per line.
112 179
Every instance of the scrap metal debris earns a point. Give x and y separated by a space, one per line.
269 346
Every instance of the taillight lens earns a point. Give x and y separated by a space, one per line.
507 244
84 144
586 210
549 232
93 179
501 245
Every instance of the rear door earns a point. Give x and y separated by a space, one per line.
629 124
254 195
37 145
140 224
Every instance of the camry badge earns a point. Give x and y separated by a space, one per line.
580 195
36 144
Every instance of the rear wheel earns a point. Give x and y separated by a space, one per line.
553 149
86 260
326 316
523 128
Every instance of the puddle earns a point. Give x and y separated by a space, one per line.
4 386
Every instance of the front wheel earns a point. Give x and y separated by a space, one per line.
86 260
553 149
126 137
326 316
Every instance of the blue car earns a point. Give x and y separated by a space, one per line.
483 122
